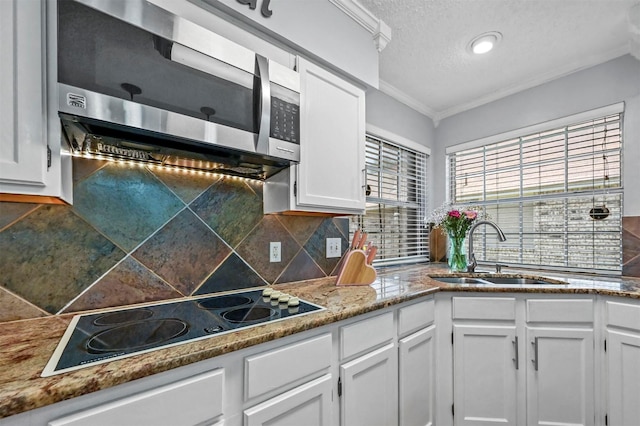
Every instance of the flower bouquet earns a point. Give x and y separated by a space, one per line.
456 223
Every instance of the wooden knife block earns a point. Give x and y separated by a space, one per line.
355 270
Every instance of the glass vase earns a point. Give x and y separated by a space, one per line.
457 258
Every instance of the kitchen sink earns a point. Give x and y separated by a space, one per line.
488 280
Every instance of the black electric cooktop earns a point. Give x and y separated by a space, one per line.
97 338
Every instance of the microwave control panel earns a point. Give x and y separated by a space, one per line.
285 121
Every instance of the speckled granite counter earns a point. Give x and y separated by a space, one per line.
26 346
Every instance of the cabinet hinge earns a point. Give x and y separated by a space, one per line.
453 410
295 188
605 345
339 387
452 338
48 157
606 419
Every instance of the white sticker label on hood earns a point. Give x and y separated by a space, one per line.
77 101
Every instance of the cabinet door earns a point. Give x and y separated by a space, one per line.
416 379
23 147
485 376
560 376
309 404
332 124
370 389
623 365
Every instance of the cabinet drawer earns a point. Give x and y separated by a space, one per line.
623 315
367 334
559 310
186 402
414 317
281 368
489 308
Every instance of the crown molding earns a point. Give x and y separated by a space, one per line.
377 27
409 101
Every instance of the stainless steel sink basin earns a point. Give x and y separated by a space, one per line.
488 280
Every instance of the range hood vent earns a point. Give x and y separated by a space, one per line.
94 138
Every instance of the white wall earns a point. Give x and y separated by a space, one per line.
386 113
605 84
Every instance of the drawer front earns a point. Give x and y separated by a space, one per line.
489 308
186 402
414 317
623 315
560 310
366 334
282 368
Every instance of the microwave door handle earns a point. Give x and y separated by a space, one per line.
264 106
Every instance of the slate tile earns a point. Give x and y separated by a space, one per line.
128 283
233 274
301 227
255 248
302 267
14 308
316 246
631 224
632 267
187 186
232 208
342 223
10 212
125 202
183 252
630 246
84 167
52 255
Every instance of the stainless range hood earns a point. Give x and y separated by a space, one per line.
136 82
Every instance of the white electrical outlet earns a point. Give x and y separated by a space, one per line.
334 247
275 249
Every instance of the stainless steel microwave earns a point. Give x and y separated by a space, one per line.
131 71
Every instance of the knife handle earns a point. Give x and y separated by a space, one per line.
356 239
363 240
371 254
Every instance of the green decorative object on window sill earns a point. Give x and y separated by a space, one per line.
456 258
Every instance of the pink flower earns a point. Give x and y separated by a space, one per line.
454 213
471 215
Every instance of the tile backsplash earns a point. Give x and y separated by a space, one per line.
631 246
138 234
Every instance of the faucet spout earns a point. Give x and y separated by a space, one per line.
471 267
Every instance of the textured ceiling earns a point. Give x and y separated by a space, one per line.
427 66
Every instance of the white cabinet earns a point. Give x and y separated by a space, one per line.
369 389
30 163
520 360
485 361
186 402
560 376
416 378
330 175
623 362
560 367
309 405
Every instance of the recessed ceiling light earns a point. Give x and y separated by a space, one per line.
484 42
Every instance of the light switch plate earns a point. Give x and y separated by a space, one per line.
334 247
275 251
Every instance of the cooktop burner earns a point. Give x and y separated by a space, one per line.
97 338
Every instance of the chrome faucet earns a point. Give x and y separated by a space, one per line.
471 267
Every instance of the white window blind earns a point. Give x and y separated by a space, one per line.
396 202
544 190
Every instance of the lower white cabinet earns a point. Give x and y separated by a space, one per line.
622 362
485 381
186 402
369 389
308 404
416 378
560 376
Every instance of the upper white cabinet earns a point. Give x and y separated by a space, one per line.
330 175
30 162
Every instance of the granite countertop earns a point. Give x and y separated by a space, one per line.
27 345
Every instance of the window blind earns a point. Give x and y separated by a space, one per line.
396 179
549 192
